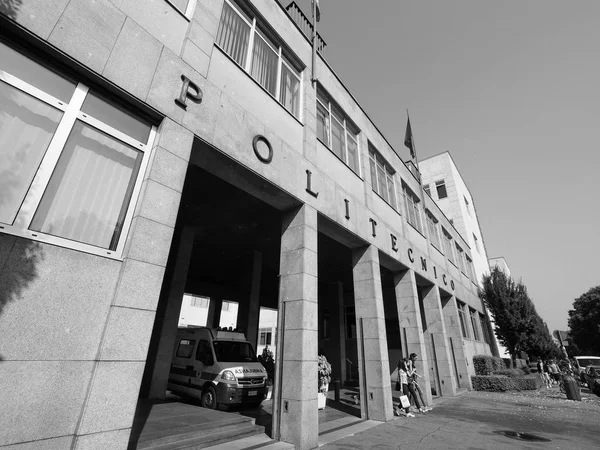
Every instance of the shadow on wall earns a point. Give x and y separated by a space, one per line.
10 8
23 256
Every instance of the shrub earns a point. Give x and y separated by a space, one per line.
486 365
508 363
526 370
511 373
520 363
501 383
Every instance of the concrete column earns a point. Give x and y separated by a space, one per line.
295 413
409 315
170 315
437 328
457 349
249 310
374 375
215 306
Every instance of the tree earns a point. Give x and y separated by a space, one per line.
584 322
518 326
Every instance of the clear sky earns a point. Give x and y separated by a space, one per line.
512 89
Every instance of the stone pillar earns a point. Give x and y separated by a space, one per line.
170 316
249 310
295 413
374 375
437 328
215 306
457 349
409 315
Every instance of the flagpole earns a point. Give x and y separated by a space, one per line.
314 43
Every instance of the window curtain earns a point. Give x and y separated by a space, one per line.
290 91
233 35
264 64
88 194
26 127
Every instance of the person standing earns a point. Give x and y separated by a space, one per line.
403 375
542 372
412 380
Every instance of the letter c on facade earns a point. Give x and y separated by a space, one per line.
444 278
410 252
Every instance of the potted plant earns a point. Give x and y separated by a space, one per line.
324 379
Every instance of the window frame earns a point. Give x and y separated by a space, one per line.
378 162
353 132
449 247
413 211
462 315
189 10
432 228
461 258
441 184
72 113
474 324
282 59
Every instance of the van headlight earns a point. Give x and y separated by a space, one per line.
228 375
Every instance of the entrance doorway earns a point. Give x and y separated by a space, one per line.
222 271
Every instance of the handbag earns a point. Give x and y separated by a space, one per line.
404 401
398 386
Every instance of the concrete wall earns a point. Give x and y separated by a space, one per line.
82 323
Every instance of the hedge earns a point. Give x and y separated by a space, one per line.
504 383
486 365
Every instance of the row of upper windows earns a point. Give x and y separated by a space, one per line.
246 41
478 330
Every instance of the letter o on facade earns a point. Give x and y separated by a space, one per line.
260 138
452 284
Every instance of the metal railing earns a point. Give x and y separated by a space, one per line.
305 25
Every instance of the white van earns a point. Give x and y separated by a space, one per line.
217 367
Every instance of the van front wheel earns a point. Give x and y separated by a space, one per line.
209 398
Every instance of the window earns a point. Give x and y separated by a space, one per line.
427 189
336 131
185 348
72 161
434 234
460 256
185 7
462 315
204 352
484 328
382 177
448 247
476 334
248 42
471 270
440 187
476 241
467 205
266 335
199 302
413 213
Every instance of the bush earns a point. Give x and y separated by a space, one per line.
520 363
511 373
526 370
486 365
501 383
508 363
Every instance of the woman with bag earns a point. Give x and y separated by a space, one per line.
403 383
412 382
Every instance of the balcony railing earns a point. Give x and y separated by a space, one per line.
305 26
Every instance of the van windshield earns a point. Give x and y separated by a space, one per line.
232 351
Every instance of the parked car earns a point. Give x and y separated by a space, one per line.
592 378
583 362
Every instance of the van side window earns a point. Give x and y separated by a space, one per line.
204 353
186 348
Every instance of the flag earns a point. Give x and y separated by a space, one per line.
408 139
318 10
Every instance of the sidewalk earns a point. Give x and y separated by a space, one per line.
476 420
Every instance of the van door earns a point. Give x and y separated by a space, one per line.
204 363
182 367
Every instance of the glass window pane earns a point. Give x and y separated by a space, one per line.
337 139
233 35
352 154
264 65
290 91
35 74
374 175
390 184
322 124
26 128
322 96
98 108
90 189
382 186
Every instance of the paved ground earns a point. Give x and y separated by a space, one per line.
474 421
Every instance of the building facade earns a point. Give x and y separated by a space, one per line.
442 180
154 149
